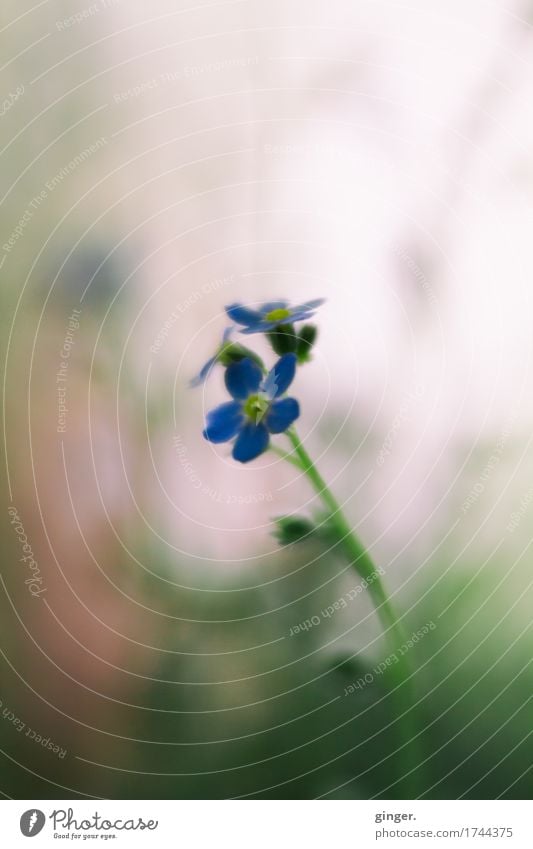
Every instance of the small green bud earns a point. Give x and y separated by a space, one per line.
283 339
290 529
233 352
305 342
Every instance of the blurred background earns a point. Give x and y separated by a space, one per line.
160 160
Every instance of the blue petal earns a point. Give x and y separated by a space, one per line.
281 376
301 314
273 305
223 422
311 305
202 374
243 315
260 327
227 333
304 311
251 442
243 378
269 385
282 414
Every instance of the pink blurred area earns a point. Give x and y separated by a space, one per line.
371 153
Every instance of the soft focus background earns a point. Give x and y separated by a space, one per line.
159 160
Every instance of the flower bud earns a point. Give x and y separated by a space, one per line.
290 529
305 342
234 352
283 339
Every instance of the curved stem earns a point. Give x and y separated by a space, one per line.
398 671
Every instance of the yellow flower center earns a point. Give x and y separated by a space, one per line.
277 315
255 407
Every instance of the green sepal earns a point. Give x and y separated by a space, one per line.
233 352
305 341
291 529
283 339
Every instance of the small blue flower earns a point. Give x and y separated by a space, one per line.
256 410
271 315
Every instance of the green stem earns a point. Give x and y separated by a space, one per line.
285 455
399 671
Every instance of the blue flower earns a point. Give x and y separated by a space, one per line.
271 315
256 410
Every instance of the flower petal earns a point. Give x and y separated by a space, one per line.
205 370
280 377
311 305
251 442
301 314
259 327
223 422
282 414
243 315
203 373
305 310
273 305
243 378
